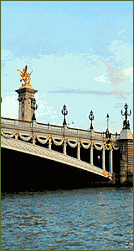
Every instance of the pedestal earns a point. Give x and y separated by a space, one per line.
26 94
126 156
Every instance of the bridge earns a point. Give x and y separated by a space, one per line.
98 153
38 139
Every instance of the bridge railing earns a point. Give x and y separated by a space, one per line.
57 129
49 127
8 121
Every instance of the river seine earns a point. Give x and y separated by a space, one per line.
79 219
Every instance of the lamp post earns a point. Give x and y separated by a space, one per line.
108 134
126 124
64 112
107 120
34 106
91 117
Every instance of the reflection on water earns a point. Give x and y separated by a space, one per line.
83 219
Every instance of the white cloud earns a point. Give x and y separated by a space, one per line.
121 52
101 78
129 72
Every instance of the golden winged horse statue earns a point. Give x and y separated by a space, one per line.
26 77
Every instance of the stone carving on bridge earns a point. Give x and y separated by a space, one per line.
87 145
73 145
104 173
26 77
108 147
43 141
34 136
58 141
7 135
16 134
98 146
115 147
25 138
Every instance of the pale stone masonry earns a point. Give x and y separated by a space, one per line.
26 94
126 156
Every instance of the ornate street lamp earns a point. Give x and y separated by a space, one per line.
107 120
91 117
108 134
34 106
126 124
64 113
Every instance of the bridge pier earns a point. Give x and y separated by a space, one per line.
126 156
103 158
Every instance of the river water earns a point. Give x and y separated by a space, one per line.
79 219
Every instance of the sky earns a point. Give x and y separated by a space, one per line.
81 54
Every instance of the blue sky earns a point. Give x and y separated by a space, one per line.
81 54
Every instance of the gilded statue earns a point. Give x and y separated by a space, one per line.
26 77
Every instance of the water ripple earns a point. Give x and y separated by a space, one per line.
85 219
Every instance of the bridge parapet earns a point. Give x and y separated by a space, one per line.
26 126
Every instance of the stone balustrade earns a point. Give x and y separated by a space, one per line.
56 130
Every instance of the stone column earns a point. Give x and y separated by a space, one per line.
103 158
111 160
78 151
64 147
91 155
50 143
